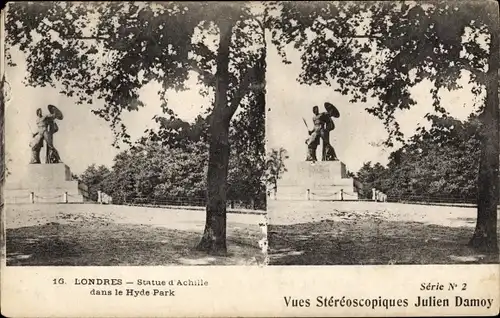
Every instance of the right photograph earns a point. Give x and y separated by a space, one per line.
382 133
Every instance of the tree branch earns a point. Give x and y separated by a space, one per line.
480 76
98 38
49 25
208 77
361 36
243 88
355 36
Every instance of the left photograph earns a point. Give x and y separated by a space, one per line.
134 134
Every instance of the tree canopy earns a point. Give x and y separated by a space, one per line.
383 49
108 51
169 165
95 178
440 164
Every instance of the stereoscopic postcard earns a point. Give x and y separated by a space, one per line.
250 159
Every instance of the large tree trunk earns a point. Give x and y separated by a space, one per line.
485 234
214 235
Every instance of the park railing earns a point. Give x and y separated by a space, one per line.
341 195
189 201
433 199
257 204
425 199
35 197
164 201
379 196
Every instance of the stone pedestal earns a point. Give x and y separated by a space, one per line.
324 180
46 183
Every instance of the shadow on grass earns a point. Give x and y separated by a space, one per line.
108 244
371 243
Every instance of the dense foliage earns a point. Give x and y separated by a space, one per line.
96 178
169 165
440 164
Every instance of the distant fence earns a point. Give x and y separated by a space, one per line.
341 195
34 197
379 196
434 200
103 198
187 201
410 198
431 199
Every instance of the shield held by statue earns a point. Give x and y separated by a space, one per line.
332 111
56 112
57 115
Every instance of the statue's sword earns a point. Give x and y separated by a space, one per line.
305 123
29 126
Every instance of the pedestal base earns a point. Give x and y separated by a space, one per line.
46 183
325 180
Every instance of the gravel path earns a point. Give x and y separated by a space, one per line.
296 212
64 234
356 233
23 215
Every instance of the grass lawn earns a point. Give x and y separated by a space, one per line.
83 238
331 233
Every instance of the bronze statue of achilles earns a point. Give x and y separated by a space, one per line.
323 124
46 128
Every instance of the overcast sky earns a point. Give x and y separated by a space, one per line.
84 138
